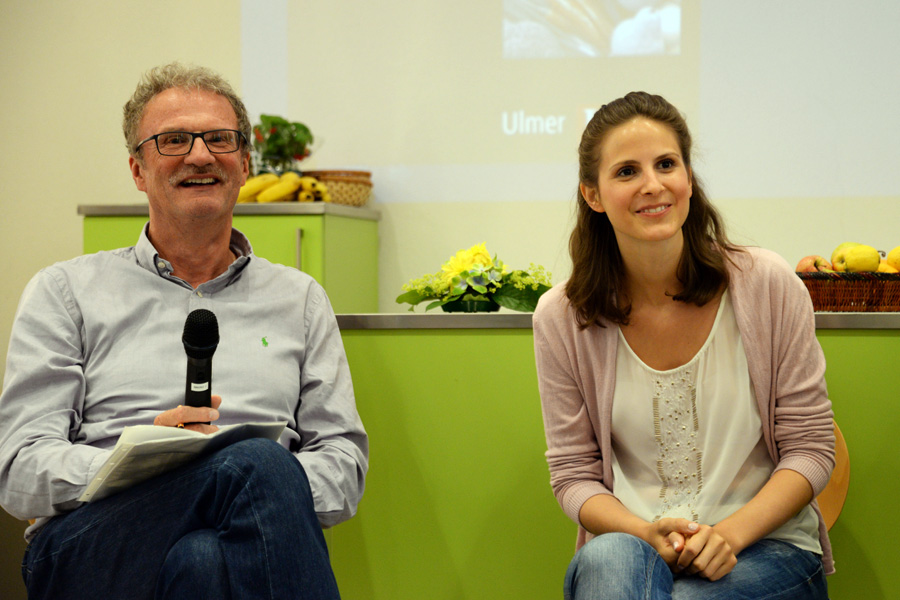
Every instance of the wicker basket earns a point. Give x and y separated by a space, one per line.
853 292
353 188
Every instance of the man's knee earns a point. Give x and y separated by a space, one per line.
261 457
267 464
257 449
194 567
198 548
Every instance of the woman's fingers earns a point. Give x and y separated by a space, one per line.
676 540
707 554
669 536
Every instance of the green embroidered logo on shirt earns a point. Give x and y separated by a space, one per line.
265 342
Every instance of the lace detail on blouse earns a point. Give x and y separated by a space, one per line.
676 426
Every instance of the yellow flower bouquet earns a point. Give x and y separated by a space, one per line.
474 278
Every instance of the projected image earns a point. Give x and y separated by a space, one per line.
592 28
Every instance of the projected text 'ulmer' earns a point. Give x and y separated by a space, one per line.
518 123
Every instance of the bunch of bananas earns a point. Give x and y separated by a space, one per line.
268 187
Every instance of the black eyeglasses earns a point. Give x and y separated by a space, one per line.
179 143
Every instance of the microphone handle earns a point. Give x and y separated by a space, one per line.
197 389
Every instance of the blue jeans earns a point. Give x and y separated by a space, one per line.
620 566
239 523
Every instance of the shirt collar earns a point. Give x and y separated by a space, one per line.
149 258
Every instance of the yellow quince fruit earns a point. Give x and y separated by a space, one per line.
884 267
856 259
893 258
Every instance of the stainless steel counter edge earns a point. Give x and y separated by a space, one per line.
523 321
849 320
274 208
435 321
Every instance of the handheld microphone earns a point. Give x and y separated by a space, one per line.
200 339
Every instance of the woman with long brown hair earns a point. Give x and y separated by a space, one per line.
685 408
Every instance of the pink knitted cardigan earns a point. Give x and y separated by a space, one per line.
576 377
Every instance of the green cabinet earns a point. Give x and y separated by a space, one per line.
337 245
458 504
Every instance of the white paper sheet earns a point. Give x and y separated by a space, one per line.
145 451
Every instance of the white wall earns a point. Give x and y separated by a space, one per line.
798 164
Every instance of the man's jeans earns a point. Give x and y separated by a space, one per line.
239 523
621 566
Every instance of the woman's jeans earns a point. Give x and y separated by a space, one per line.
620 566
239 523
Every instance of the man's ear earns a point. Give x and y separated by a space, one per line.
246 168
591 195
137 173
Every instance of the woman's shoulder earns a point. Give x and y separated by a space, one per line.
553 297
554 305
754 266
760 277
555 316
756 258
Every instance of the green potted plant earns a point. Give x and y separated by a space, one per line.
472 281
280 144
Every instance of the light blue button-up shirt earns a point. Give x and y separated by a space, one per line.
96 346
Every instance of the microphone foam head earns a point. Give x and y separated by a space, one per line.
201 334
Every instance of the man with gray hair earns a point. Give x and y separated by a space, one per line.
96 346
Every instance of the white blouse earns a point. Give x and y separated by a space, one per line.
688 442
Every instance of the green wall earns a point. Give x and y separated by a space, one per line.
863 383
458 502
